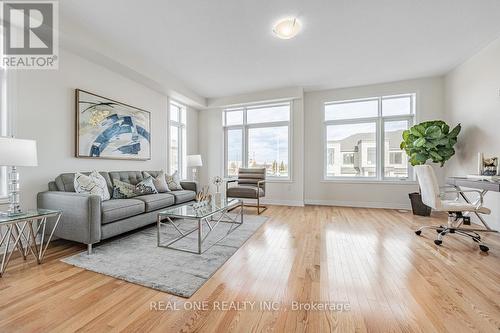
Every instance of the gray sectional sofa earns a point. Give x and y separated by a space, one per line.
87 219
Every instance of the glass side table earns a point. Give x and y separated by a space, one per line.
21 233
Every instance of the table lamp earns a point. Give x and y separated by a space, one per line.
13 153
194 161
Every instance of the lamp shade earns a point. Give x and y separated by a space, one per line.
194 161
17 152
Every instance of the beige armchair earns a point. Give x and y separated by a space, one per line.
250 184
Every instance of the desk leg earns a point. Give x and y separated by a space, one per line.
488 229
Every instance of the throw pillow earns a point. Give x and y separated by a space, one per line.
93 184
123 190
147 186
174 182
159 181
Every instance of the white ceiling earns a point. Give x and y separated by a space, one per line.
225 47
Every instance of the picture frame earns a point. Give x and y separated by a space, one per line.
487 166
109 129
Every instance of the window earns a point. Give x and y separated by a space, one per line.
371 156
366 133
258 137
348 158
395 157
396 160
177 140
331 156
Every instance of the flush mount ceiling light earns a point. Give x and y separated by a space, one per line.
287 28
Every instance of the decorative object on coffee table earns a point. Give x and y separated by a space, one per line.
202 198
13 153
194 162
218 181
27 233
108 129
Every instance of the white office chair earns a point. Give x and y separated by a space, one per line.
433 197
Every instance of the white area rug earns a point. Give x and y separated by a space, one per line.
137 259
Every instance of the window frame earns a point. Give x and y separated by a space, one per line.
245 127
379 121
182 145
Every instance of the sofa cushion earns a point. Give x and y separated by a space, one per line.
65 181
156 201
242 191
119 209
183 196
131 177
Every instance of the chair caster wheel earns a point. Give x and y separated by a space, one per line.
438 242
484 248
418 232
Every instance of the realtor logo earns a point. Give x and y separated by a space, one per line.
30 34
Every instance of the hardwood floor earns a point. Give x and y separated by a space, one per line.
368 259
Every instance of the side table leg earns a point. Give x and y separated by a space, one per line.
6 237
42 248
20 245
32 235
6 257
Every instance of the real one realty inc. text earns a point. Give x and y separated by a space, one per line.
248 306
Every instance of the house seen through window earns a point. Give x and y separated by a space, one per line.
363 137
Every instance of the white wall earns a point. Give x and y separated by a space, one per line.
45 111
192 131
472 96
211 145
363 194
307 184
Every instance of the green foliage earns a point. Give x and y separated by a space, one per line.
430 140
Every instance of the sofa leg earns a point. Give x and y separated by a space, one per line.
89 249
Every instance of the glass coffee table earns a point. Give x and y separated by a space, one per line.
206 219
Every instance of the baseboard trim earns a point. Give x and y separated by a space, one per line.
275 202
358 204
282 202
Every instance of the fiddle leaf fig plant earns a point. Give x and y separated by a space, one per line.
430 140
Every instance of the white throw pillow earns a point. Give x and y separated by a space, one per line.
174 182
93 184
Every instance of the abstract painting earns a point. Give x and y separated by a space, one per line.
108 129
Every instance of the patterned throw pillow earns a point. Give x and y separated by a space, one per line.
147 186
123 190
93 184
174 182
159 181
